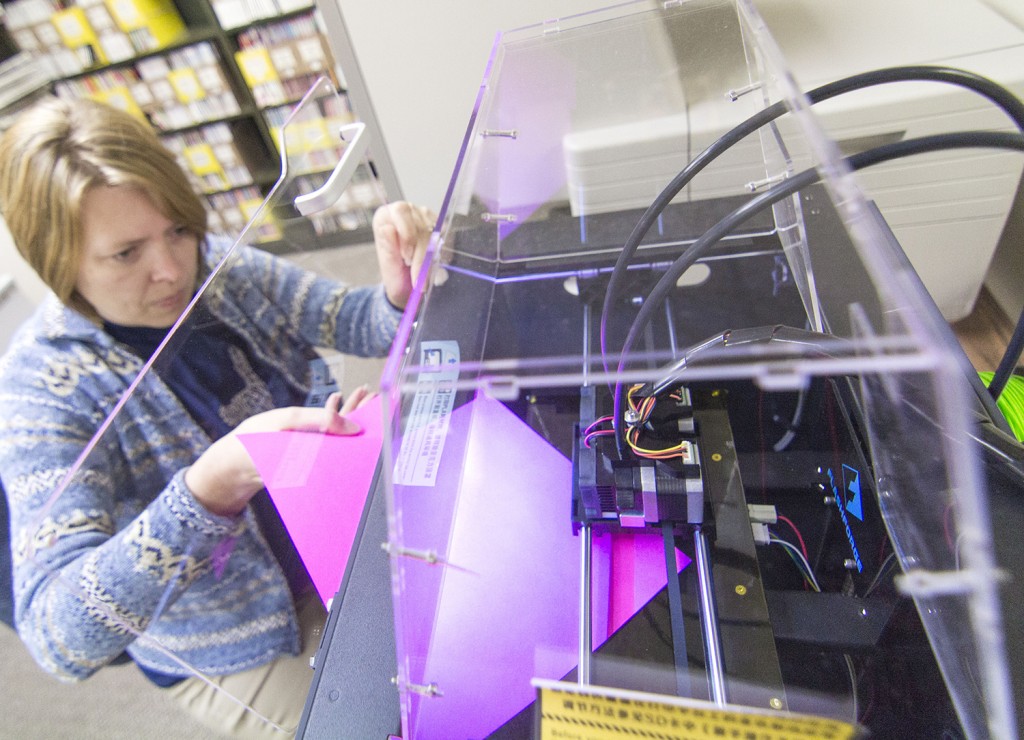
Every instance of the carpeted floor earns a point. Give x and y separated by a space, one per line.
118 703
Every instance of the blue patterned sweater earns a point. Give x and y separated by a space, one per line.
117 555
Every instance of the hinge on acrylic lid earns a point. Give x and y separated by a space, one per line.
921 583
431 689
551 26
427 556
509 218
756 185
737 93
430 557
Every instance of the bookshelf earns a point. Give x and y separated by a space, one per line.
217 79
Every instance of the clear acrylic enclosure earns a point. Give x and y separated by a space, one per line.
117 543
722 458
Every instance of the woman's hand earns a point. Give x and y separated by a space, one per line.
224 477
356 399
401 233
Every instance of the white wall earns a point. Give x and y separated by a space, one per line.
25 289
1005 278
423 63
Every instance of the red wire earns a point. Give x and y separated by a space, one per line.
799 537
947 526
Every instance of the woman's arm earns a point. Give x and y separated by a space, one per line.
96 556
325 312
83 589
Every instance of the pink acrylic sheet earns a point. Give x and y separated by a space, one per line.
319 484
508 611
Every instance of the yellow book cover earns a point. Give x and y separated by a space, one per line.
265 230
202 161
186 85
120 97
158 18
78 35
256 67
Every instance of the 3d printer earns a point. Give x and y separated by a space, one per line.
710 453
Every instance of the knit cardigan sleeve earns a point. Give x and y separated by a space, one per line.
279 296
95 560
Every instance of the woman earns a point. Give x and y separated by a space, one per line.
157 539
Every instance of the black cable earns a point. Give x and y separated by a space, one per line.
981 85
959 140
1011 357
777 333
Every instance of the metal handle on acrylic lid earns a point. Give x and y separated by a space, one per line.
354 135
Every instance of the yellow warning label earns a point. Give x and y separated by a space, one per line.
571 712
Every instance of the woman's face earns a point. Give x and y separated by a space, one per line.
138 268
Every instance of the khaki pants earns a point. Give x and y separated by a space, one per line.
277 690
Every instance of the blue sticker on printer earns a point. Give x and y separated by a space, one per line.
851 484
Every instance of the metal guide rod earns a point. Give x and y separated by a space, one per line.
586 551
709 619
586 643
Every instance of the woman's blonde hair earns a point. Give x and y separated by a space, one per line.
54 153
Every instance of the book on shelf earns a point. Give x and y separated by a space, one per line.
182 88
73 38
211 157
280 61
236 13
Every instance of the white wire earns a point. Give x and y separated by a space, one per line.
881 571
800 556
853 686
806 567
